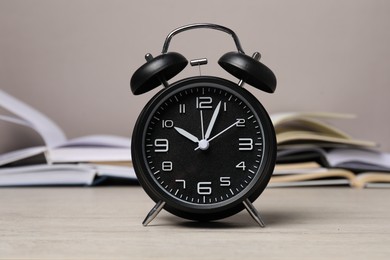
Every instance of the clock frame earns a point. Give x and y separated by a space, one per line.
204 147
158 147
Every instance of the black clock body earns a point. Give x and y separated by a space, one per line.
203 146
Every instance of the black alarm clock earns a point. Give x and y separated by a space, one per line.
203 148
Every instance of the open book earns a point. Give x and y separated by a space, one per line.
57 149
313 152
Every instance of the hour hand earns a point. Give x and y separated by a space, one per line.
187 135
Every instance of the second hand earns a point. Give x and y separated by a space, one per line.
223 131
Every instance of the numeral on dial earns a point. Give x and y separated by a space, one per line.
245 144
182 108
182 182
204 188
241 165
240 122
167 123
161 145
204 102
224 181
167 166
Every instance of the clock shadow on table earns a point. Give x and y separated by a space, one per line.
238 221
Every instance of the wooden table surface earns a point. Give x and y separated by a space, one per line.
105 223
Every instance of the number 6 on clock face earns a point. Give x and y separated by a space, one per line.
203 146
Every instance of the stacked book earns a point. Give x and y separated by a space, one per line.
310 153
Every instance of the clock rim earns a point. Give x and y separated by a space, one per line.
190 210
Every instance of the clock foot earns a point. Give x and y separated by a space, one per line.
253 212
153 213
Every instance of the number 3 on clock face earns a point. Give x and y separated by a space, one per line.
204 146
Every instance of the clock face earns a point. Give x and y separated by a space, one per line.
203 146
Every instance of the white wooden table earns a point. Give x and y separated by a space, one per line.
105 223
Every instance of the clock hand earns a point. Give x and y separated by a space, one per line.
187 134
201 123
205 146
223 131
212 121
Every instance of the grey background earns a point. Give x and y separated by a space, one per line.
72 60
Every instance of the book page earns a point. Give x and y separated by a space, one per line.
308 122
50 132
20 154
279 118
89 154
61 174
340 156
98 141
69 174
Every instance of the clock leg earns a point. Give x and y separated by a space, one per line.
253 212
153 213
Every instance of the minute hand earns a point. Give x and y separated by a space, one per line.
212 121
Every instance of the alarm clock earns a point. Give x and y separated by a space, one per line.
203 148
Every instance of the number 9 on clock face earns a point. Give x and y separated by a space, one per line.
203 146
